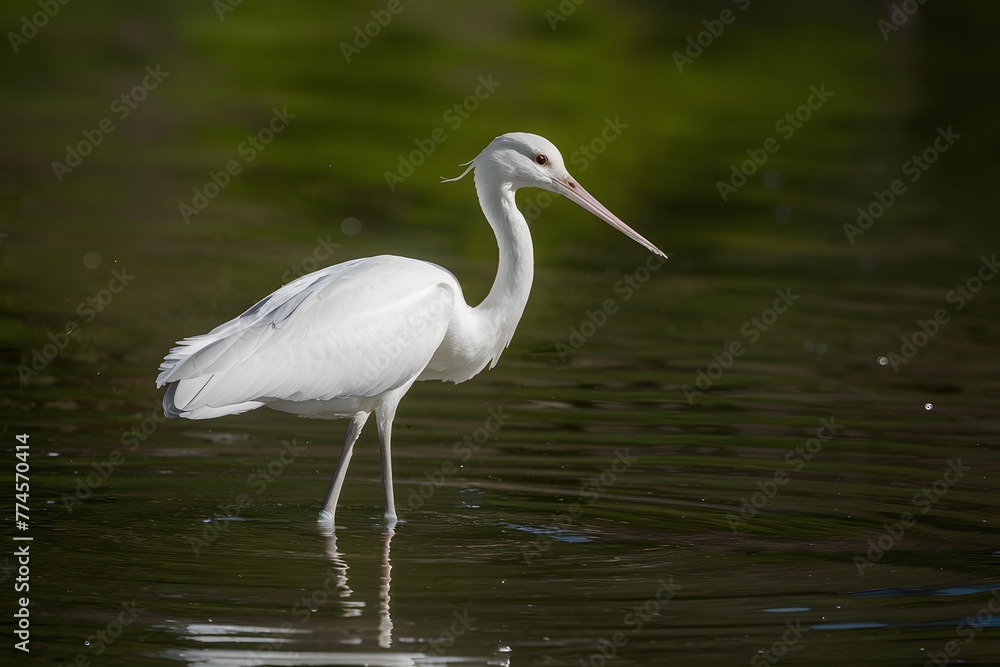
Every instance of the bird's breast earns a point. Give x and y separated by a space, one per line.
470 345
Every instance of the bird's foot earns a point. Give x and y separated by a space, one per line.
325 522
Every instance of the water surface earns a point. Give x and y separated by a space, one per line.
779 446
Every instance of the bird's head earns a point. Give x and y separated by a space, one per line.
523 160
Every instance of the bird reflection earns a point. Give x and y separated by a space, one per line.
354 607
385 578
340 568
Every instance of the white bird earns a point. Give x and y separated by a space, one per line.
350 339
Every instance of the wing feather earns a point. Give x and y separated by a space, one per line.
353 330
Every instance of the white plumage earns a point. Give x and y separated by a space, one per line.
325 345
350 339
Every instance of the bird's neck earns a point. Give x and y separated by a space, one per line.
503 306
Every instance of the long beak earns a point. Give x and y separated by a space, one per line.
575 192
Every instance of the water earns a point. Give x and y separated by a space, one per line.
778 447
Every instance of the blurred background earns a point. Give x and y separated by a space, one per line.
166 165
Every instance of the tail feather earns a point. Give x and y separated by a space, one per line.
173 408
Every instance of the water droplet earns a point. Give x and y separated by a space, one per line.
350 226
91 260
883 361
928 406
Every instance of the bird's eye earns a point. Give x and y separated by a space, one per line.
541 159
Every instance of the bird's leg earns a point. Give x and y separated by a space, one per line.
340 472
384 423
384 414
